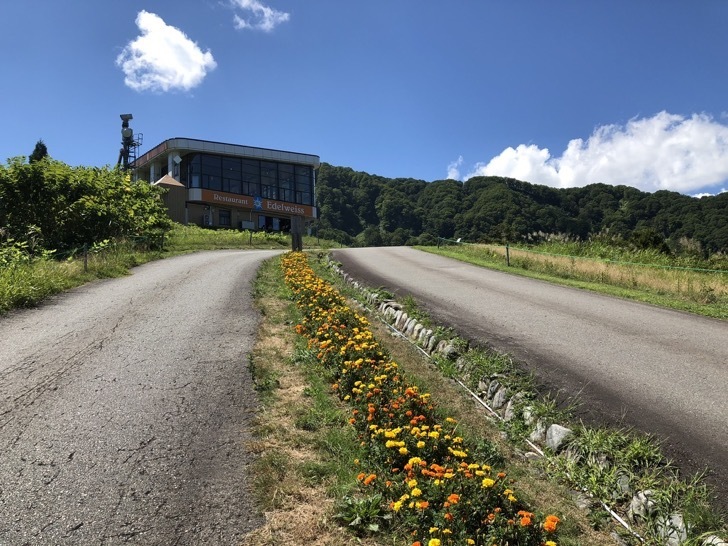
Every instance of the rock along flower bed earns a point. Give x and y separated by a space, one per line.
415 460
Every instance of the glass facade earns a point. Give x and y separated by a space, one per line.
267 179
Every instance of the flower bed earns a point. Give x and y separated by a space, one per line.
415 458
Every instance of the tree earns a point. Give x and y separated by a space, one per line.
63 207
39 152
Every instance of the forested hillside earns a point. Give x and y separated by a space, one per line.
359 208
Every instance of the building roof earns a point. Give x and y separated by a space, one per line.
167 180
184 145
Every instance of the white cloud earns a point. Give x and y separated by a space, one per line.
262 17
666 151
453 169
708 194
163 58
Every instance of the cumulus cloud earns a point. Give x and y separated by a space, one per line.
163 58
453 169
666 151
261 16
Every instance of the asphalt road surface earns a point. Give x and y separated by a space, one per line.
125 408
631 364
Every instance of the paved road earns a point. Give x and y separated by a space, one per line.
125 407
661 371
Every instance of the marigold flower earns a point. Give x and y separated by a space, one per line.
453 498
551 523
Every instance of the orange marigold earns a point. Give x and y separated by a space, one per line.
551 523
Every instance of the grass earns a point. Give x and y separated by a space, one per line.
28 282
533 484
305 450
697 292
611 464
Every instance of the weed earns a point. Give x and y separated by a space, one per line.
364 515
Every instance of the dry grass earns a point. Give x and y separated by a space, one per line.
295 512
681 282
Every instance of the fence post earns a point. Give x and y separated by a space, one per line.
85 257
508 255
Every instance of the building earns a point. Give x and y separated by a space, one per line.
232 186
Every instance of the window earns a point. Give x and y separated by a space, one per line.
303 184
231 167
211 182
285 176
269 192
224 217
234 186
303 198
251 177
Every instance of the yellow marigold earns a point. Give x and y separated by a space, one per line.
487 482
416 492
434 542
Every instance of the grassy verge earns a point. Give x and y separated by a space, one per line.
700 293
26 283
310 457
305 449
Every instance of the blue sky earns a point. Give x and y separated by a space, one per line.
563 93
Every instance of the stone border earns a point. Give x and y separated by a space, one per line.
503 404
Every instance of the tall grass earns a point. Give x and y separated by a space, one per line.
691 284
189 238
26 281
641 269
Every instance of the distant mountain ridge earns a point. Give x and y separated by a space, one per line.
360 208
